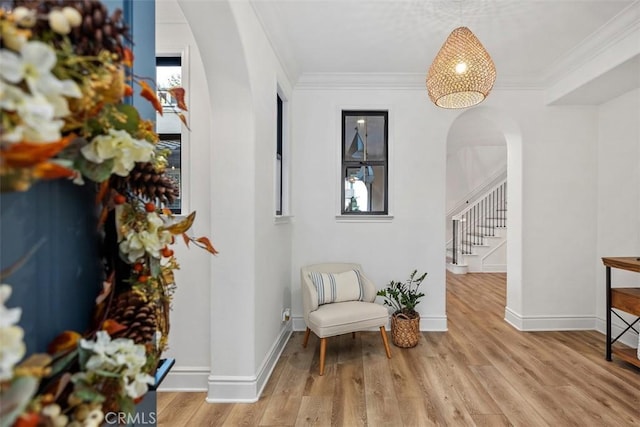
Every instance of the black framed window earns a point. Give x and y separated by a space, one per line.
169 125
279 158
364 189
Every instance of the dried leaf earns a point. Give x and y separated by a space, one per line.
102 192
28 154
51 170
150 95
206 244
178 93
128 90
127 57
65 341
183 119
186 239
112 326
36 365
181 226
21 261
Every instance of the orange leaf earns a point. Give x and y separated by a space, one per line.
183 119
207 245
50 170
127 57
150 95
66 341
181 226
112 326
186 238
30 419
27 154
128 90
178 93
102 192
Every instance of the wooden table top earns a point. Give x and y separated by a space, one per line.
631 263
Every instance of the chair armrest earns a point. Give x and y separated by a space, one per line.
309 295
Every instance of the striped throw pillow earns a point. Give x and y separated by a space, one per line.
338 287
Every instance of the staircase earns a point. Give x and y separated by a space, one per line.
479 234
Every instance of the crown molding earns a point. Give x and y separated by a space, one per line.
613 32
389 81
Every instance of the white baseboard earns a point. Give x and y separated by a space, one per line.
186 378
427 323
247 389
494 268
630 338
549 323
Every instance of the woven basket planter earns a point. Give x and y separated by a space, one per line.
405 331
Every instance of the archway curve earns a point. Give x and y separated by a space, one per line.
510 129
232 137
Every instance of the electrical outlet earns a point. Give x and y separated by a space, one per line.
286 314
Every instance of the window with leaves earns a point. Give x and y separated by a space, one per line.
169 125
364 162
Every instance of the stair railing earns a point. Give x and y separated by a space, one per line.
478 220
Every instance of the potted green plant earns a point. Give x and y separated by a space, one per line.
403 297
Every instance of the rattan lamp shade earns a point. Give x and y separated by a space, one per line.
462 73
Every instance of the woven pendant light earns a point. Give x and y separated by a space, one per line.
462 73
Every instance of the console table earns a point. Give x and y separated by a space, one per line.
625 299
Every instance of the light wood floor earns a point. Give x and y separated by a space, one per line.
481 372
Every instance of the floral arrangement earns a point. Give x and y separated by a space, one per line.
64 78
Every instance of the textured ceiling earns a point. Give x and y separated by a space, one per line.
526 38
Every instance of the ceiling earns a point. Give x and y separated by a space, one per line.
528 39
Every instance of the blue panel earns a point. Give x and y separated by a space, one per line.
57 287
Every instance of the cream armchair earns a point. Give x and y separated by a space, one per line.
329 319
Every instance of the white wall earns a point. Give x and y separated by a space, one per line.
189 338
470 167
229 320
414 237
618 184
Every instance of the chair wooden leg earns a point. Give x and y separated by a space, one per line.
323 353
353 335
385 341
306 338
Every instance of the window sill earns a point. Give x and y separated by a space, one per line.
364 218
282 219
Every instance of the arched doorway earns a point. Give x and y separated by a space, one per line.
476 129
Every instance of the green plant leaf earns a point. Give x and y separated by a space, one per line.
130 115
14 400
96 172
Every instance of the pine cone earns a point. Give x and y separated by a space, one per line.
98 30
139 316
148 183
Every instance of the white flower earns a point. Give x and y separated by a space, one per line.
138 385
12 347
34 65
8 316
120 146
72 15
150 240
59 22
24 17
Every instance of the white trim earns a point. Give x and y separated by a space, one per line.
389 109
601 40
389 81
494 268
282 219
630 338
247 389
549 323
186 379
364 218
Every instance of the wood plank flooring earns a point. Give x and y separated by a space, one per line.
481 372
